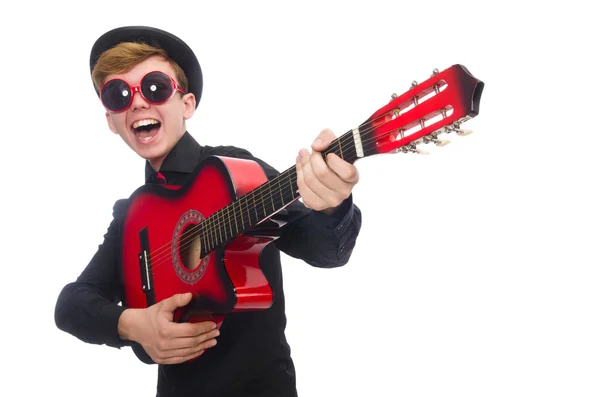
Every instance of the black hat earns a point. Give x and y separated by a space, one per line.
177 50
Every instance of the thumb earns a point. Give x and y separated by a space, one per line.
175 301
323 140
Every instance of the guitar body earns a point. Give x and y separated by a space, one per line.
162 244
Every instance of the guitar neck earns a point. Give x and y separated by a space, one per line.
267 199
437 105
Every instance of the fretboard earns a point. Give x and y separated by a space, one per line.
264 201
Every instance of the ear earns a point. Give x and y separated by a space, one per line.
111 125
189 106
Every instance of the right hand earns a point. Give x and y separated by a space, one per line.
165 341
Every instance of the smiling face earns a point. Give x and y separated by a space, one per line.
151 130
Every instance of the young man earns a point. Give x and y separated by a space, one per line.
248 354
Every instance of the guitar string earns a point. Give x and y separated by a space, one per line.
210 239
226 211
347 139
244 206
166 259
162 259
164 252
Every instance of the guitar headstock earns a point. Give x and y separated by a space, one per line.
438 105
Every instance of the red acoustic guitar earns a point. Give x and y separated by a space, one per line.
198 238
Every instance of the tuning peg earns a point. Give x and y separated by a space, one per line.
434 72
439 142
462 132
414 84
434 139
451 128
411 148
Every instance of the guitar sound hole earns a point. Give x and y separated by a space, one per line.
189 247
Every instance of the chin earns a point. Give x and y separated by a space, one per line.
150 153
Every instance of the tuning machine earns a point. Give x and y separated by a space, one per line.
455 127
411 148
433 138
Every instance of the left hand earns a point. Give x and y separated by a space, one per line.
324 185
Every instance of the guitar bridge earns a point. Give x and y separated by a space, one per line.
145 260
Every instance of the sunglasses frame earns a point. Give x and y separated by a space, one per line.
138 88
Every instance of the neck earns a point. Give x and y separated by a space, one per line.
157 162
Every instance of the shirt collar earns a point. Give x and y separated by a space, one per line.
184 157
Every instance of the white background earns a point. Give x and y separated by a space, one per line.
476 270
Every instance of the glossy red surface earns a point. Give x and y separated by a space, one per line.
227 281
458 95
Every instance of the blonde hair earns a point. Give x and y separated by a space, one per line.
125 56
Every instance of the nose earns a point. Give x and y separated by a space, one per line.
138 102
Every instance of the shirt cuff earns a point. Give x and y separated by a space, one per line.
110 323
337 222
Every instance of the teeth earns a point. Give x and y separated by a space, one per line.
141 123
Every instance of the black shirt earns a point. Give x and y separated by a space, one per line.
252 356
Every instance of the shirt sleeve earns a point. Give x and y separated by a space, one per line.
319 239
88 308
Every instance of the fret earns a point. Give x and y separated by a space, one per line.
210 228
209 235
280 191
271 195
220 227
254 201
347 150
227 211
215 225
219 224
291 184
205 237
241 214
206 234
200 237
201 245
248 210
237 230
262 197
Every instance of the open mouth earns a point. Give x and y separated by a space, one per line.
146 129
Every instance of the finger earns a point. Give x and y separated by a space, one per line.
171 330
187 350
345 171
323 172
175 301
187 358
330 197
309 199
189 342
181 355
323 140
179 360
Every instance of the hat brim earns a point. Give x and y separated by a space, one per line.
176 48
